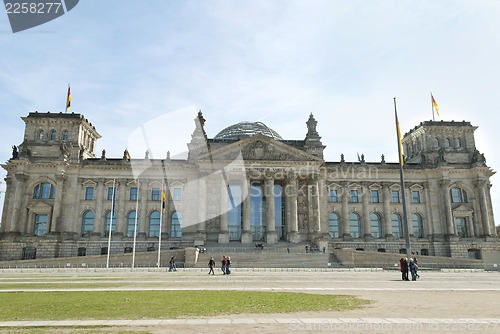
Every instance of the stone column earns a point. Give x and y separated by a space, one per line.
387 212
5 227
142 219
450 224
366 213
223 230
55 223
291 198
344 228
270 214
17 221
476 218
315 214
489 204
99 218
246 235
121 218
428 226
485 214
202 211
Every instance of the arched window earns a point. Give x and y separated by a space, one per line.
41 135
154 224
87 223
176 225
113 224
131 224
397 228
458 195
418 227
458 143
447 143
375 225
436 142
354 225
44 190
333 225
53 135
65 135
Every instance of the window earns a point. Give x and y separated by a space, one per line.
89 193
375 225
41 135
354 196
87 223
436 143
107 223
354 225
131 224
333 196
133 194
458 195
418 228
397 229
111 191
176 225
462 229
447 143
82 251
415 196
177 194
155 194
41 224
333 225
395 196
65 135
154 224
375 197
53 135
458 143
44 191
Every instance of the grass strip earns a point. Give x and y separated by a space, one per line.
104 305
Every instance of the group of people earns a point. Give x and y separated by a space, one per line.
225 265
409 264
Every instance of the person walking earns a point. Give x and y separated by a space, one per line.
228 265
223 265
211 264
171 264
413 269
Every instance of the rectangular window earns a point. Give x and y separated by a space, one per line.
133 194
395 196
110 193
89 193
375 198
155 194
354 196
177 194
333 195
41 224
462 228
415 196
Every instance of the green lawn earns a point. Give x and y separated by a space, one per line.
163 304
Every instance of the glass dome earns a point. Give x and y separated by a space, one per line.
247 129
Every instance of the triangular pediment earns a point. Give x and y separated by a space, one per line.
463 209
259 148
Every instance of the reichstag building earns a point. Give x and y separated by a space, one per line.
245 185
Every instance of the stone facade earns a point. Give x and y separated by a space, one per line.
246 185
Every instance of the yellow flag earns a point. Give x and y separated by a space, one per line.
435 105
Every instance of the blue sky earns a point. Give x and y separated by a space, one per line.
131 62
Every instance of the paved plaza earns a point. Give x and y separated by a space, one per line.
441 301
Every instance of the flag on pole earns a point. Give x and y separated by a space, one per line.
68 100
400 142
359 158
435 105
163 200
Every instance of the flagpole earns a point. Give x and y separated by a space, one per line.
406 227
111 222
161 220
432 107
135 222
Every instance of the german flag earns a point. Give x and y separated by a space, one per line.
68 100
163 200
